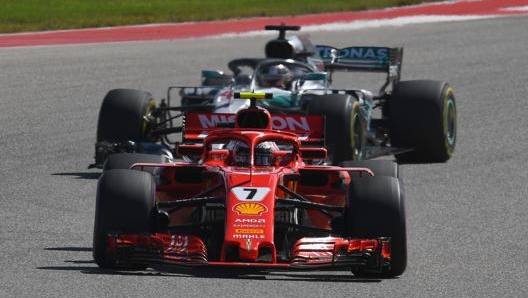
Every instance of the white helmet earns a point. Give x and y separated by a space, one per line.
264 153
276 75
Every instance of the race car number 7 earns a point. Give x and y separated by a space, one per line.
251 194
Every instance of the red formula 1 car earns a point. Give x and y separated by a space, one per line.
252 197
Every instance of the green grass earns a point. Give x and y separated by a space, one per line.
39 15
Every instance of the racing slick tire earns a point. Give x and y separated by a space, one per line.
123 116
125 199
126 160
345 129
423 117
380 167
375 208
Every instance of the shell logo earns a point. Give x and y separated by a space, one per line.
250 208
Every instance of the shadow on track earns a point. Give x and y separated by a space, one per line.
80 175
69 248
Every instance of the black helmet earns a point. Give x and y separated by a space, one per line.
241 156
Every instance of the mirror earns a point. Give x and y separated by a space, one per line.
310 153
191 150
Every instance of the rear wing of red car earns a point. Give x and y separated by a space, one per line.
309 128
364 58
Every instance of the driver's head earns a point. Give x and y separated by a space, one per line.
278 76
264 153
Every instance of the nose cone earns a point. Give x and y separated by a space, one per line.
249 216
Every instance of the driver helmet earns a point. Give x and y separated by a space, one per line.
240 151
264 153
278 76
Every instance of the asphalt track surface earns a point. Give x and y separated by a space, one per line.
467 222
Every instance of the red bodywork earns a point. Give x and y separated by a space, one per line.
268 216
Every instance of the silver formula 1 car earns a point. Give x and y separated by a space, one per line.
415 121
